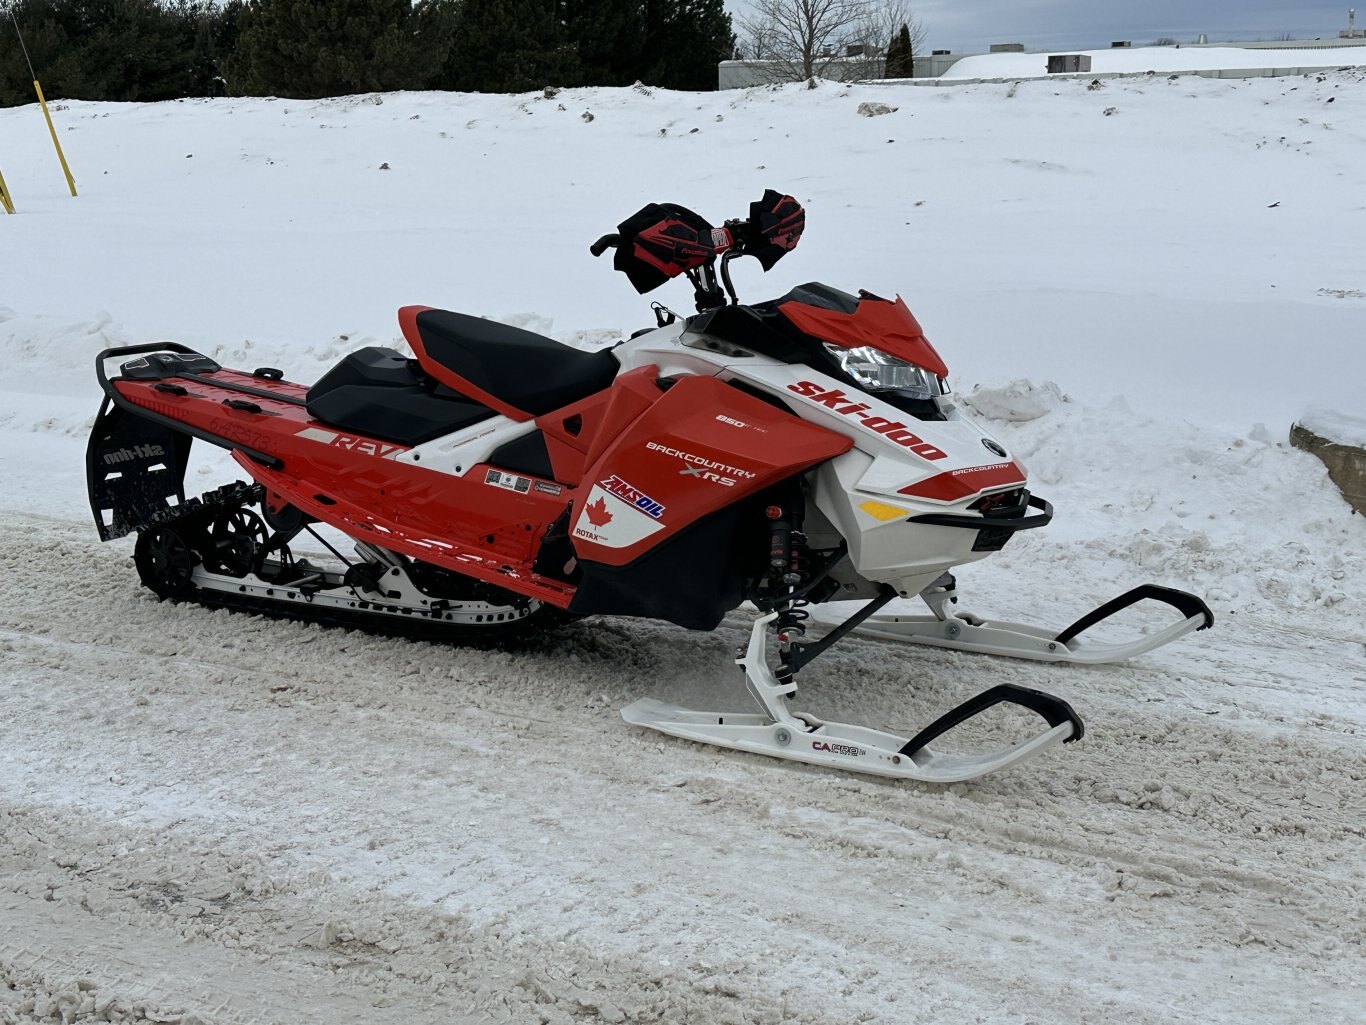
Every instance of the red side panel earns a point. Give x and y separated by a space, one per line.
407 320
952 485
889 326
486 524
701 446
576 435
417 536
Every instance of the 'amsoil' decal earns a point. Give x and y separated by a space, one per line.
893 430
616 486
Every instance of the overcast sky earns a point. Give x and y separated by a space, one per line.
968 25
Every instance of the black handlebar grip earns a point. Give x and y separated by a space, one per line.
605 243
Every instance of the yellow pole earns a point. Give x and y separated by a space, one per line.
70 182
5 200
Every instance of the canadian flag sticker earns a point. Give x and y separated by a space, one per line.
597 513
613 523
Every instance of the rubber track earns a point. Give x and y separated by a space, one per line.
414 627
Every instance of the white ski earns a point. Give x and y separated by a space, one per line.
963 631
783 733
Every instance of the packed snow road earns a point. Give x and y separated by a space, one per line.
246 820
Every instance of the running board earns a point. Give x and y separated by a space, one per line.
782 733
966 632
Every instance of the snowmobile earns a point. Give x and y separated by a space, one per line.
788 453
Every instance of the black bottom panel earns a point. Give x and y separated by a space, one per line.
693 579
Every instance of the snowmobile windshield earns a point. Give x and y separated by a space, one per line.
762 328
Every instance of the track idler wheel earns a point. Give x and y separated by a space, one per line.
164 561
283 517
235 538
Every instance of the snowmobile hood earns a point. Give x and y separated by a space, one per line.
883 324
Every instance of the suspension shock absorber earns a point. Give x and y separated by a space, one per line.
787 555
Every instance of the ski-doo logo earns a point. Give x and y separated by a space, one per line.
893 430
838 749
616 486
701 466
125 455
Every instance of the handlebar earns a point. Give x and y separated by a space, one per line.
605 243
737 230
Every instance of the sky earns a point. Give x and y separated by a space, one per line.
972 25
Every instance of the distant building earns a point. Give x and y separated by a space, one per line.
864 66
865 63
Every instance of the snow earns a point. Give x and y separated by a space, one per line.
1343 428
209 816
1164 59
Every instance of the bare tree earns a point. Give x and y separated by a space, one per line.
799 39
882 21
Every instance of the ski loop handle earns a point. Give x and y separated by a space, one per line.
1183 601
1055 710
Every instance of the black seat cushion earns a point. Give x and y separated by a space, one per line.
527 371
379 393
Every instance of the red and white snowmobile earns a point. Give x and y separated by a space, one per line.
785 453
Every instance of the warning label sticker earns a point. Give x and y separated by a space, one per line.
501 479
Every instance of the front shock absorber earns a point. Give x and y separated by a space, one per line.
787 563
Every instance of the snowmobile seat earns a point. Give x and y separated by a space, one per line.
381 394
519 373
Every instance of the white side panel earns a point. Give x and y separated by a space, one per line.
456 453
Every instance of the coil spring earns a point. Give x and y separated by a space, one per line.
792 621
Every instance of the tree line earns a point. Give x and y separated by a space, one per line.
131 50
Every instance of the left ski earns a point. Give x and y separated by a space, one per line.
782 733
966 632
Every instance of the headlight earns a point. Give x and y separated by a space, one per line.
876 371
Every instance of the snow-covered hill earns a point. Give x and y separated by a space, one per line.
1141 284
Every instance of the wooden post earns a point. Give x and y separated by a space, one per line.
5 199
70 182
42 102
